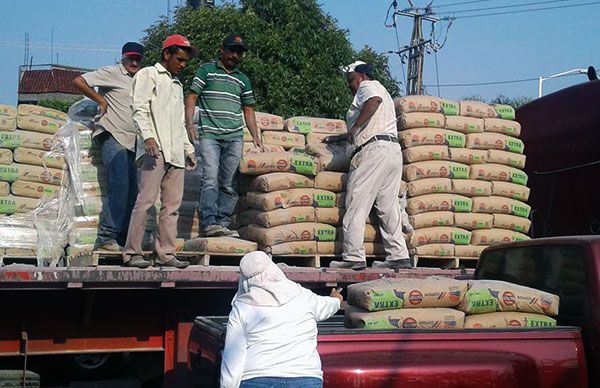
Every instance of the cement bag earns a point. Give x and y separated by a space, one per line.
340 200
464 124
439 235
472 221
285 139
508 321
280 181
501 205
303 124
302 231
372 234
39 119
92 189
15 171
295 248
34 189
8 124
408 104
19 252
247 135
439 202
404 319
499 172
468 156
435 250
6 156
429 219
8 112
471 187
506 221
450 107
244 218
332 157
38 158
219 245
435 169
510 190
390 293
250 148
423 153
468 251
83 236
332 181
91 173
92 206
496 236
494 141
316 138
10 204
513 297
290 198
268 122
4 189
429 186
431 136
27 139
421 120
507 127
505 112
337 247
285 216
507 158
330 216
86 222
256 164
476 109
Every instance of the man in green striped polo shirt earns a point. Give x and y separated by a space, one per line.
225 99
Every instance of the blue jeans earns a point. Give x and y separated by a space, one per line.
121 171
282 382
220 161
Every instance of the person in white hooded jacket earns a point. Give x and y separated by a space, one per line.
272 329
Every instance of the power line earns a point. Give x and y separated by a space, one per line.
501 7
461 3
527 10
513 81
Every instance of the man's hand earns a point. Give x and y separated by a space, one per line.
190 162
336 294
192 132
258 143
102 108
151 148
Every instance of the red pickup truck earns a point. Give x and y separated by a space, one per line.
528 358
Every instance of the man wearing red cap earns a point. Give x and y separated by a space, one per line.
115 133
163 151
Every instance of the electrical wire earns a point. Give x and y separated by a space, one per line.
437 74
461 3
492 82
526 10
501 7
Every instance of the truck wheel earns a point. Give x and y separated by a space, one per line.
14 379
88 366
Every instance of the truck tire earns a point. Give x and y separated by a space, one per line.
14 379
90 366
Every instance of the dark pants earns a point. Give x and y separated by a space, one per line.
282 382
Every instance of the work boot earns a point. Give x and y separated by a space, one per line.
213 231
137 261
355 265
110 247
393 264
174 262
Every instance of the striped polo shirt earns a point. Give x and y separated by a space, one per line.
221 97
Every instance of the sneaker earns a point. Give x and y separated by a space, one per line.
393 264
213 231
228 232
174 262
355 265
138 262
110 247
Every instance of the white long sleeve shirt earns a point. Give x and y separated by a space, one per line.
275 341
158 113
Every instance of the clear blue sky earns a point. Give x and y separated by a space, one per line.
89 33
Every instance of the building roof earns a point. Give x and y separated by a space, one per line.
53 80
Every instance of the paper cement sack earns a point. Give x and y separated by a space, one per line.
498 172
439 202
290 198
399 293
439 235
4 189
468 156
16 171
468 251
423 153
34 189
514 297
316 139
429 186
508 158
256 164
10 204
431 136
372 234
404 319
268 122
496 236
295 248
494 141
337 247
505 112
464 124
450 107
285 139
6 156
28 109
302 231
476 109
332 157
8 124
340 200
472 221
86 221
330 216
435 250
507 127
429 219
245 218
37 157
506 221
285 216
27 139
219 245
332 181
40 119
421 120
250 148
280 181
435 169
304 125
418 104
508 321
501 205
471 187
510 190
247 135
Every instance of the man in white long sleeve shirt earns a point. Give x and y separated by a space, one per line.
272 329
163 150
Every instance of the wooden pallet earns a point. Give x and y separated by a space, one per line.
446 261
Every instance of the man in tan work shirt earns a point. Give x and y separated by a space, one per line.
163 150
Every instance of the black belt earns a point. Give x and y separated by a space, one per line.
391 138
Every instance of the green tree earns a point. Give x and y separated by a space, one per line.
295 51
515 102
60 105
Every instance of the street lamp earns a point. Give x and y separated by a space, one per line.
564 73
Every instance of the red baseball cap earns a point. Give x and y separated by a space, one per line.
181 41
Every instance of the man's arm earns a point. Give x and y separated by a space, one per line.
80 83
369 108
190 107
251 124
